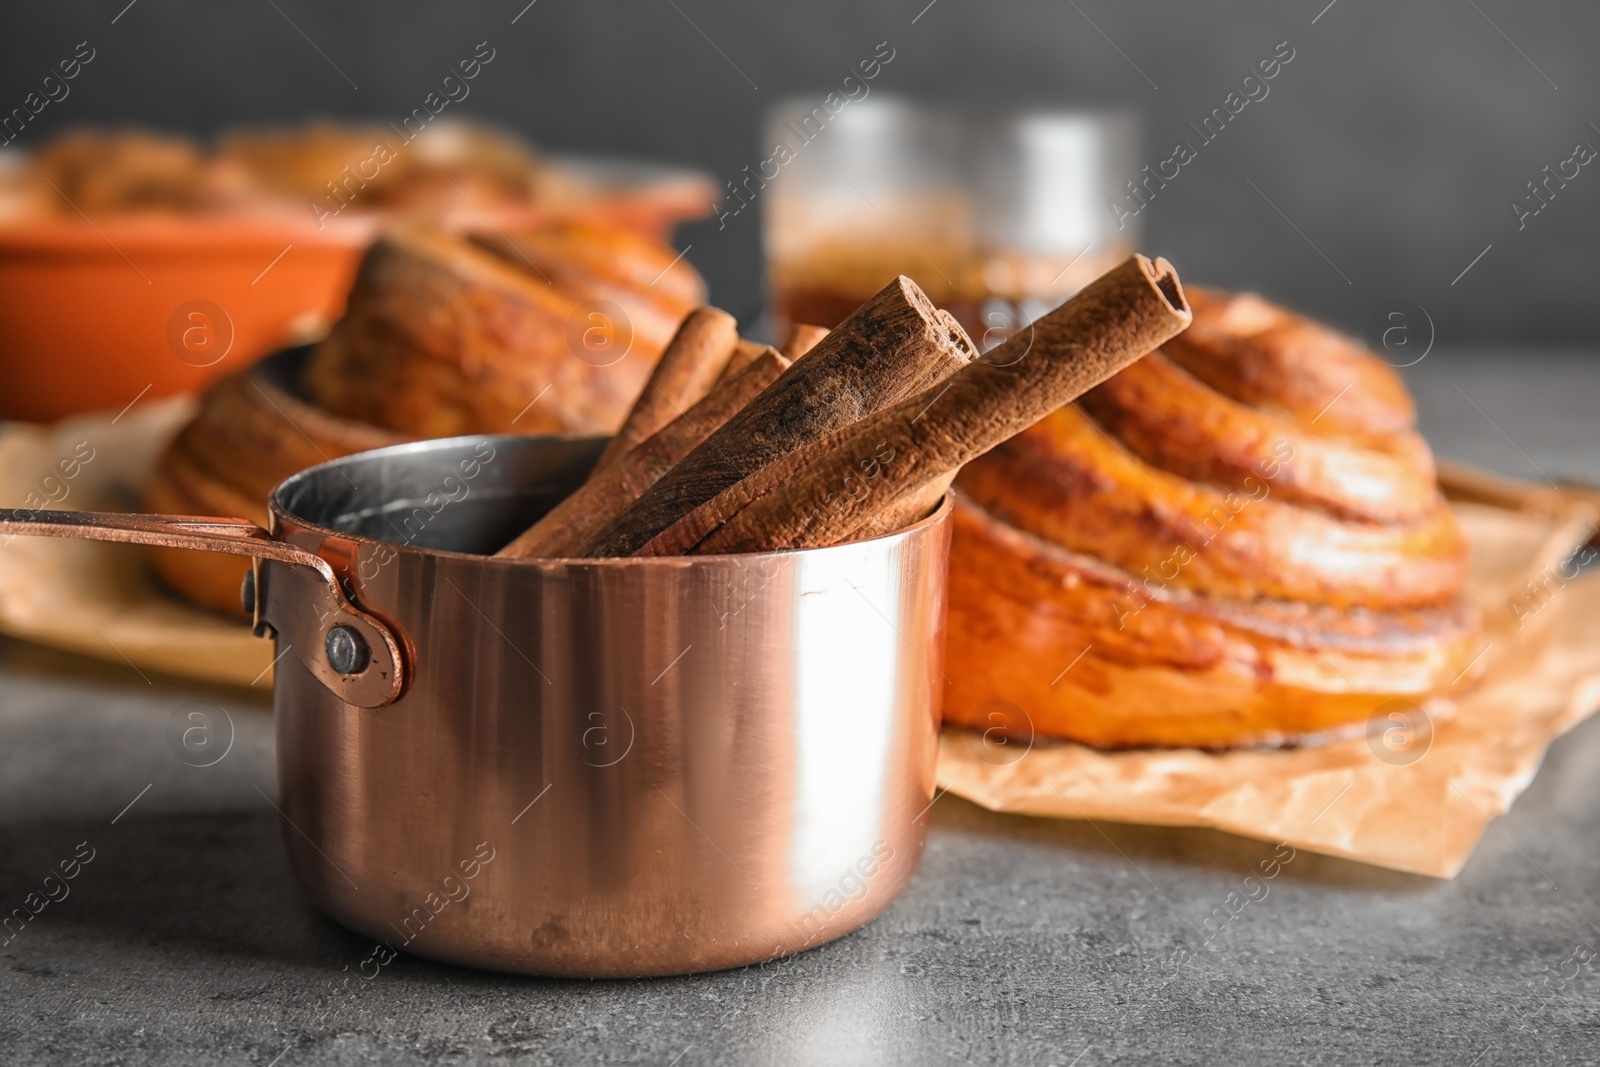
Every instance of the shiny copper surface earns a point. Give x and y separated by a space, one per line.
599 767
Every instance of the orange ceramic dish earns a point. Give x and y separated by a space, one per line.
94 314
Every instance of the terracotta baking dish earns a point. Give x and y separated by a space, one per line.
94 314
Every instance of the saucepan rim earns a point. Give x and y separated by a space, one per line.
280 509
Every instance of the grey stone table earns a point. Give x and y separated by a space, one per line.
185 940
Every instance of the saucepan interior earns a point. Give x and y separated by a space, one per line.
465 494
675 764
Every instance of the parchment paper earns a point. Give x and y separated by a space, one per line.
1418 806
100 599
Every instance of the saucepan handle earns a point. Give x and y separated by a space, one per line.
357 656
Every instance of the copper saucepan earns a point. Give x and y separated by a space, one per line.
587 767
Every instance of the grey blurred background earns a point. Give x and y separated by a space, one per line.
1391 149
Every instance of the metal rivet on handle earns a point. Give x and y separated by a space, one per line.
347 650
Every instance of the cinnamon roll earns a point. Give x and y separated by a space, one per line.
443 336
1238 540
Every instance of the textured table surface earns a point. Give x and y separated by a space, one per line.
185 940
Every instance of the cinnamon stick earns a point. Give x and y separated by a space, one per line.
690 365
573 522
803 337
744 354
893 346
831 490
907 509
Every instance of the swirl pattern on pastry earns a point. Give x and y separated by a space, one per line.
1241 533
446 336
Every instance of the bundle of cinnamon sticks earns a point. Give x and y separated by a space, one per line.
738 447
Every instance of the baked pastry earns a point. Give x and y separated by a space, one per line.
447 167
1237 540
129 172
253 430
450 169
443 337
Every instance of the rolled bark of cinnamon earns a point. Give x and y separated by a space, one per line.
690 365
803 337
744 354
893 346
875 470
567 527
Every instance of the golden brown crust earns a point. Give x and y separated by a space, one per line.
1171 420
579 253
1241 533
124 171
1068 482
370 168
1090 655
443 338
251 434
1263 355
248 436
